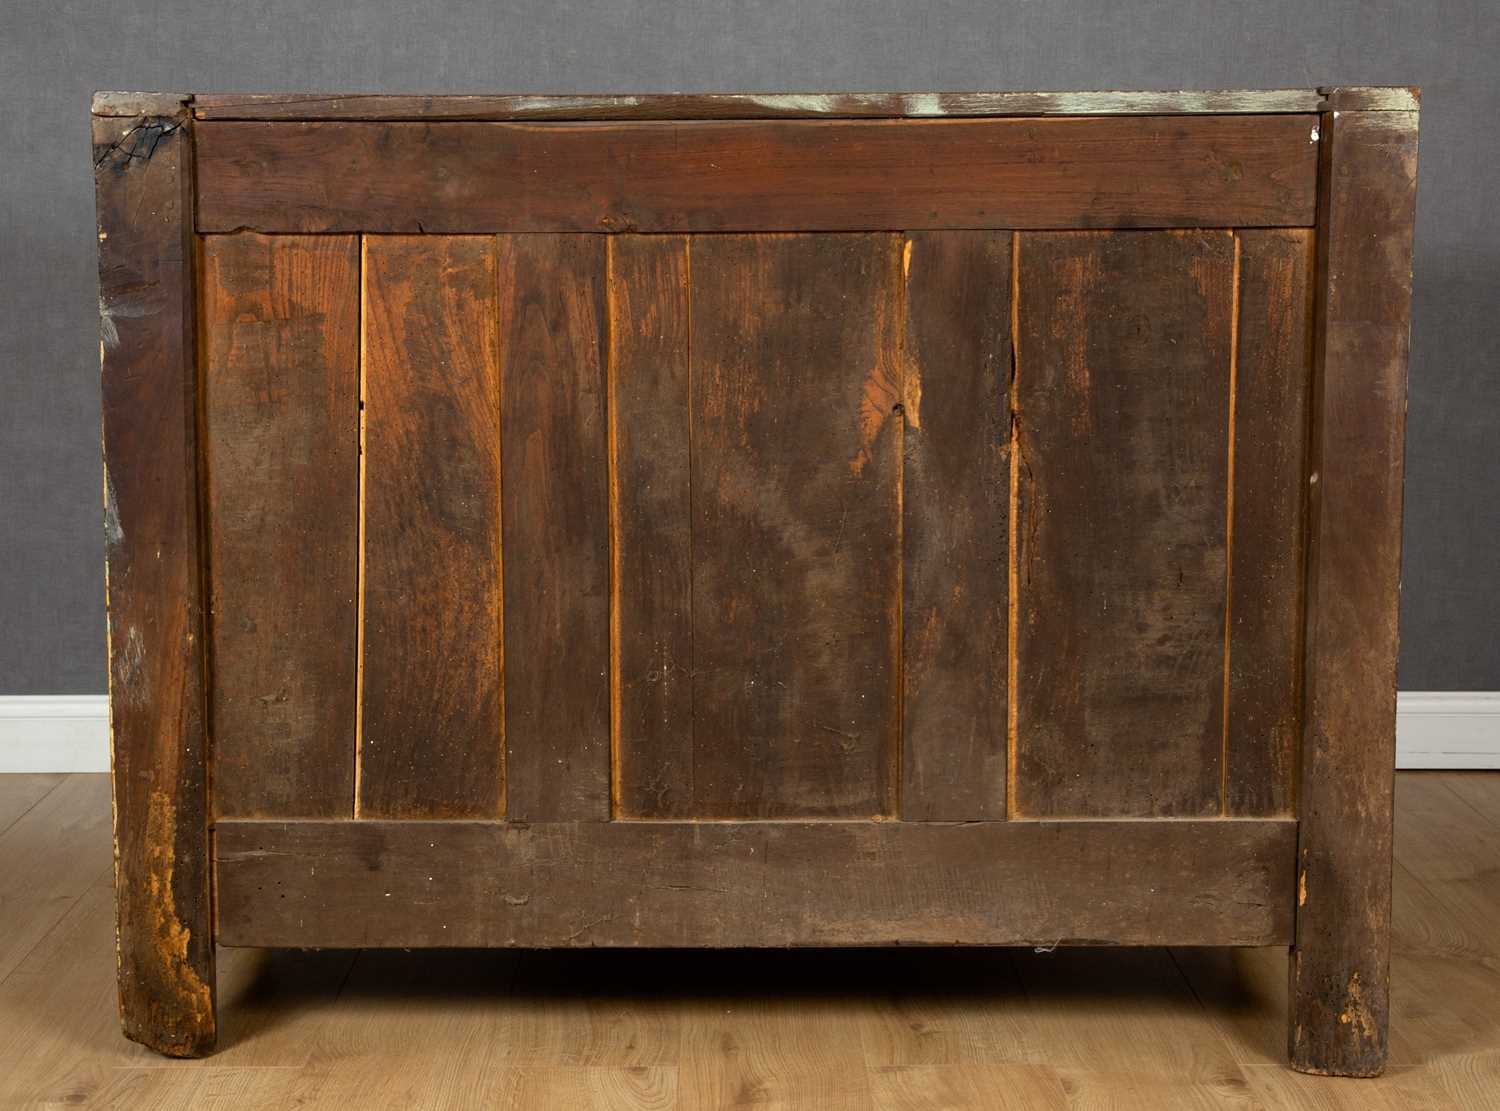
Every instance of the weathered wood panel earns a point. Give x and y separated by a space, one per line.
147 326
651 511
677 106
956 514
790 175
1123 375
1340 967
796 440
553 314
281 429
430 736
1272 379
416 884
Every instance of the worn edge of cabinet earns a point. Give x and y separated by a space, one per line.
332 884
143 170
1341 959
846 105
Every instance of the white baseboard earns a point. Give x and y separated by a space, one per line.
1448 729
54 733
70 733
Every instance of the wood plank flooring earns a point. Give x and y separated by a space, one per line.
883 1030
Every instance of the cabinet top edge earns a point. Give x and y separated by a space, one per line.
729 106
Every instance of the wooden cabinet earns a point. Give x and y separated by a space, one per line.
710 521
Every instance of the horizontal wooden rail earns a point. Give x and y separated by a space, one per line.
710 884
788 175
728 106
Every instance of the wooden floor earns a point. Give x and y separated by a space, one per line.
880 1029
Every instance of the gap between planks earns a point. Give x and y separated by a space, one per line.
896 763
359 572
612 463
1012 720
1234 353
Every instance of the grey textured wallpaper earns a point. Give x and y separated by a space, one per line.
55 52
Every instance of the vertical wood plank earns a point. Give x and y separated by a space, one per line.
956 516
143 186
796 389
1123 379
651 508
553 314
1266 554
431 744
1340 965
281 431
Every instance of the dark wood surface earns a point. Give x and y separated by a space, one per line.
281 326
651 514
795 531
430 733
713 884
1340 967
955 520
154 588
553 315
1123 367
1272 379
354 106
793 175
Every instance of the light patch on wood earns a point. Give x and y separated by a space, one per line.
1357 1013
570 103
170 935
924 104
911 371
819 104
113 532
131 659
109 335
881 393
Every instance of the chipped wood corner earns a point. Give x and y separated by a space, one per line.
132 105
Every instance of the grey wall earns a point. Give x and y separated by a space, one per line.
55 52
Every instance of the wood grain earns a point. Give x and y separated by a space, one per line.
553 315
789 175
672 106
1123 373
1272 381
430 743
713 884
281 452
1340 967
796 439
955 521
143 174
651 498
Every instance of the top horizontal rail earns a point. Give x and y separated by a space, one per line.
709 106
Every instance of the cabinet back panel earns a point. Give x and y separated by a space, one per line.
952 525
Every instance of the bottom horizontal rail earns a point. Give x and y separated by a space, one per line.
753 883
327 884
